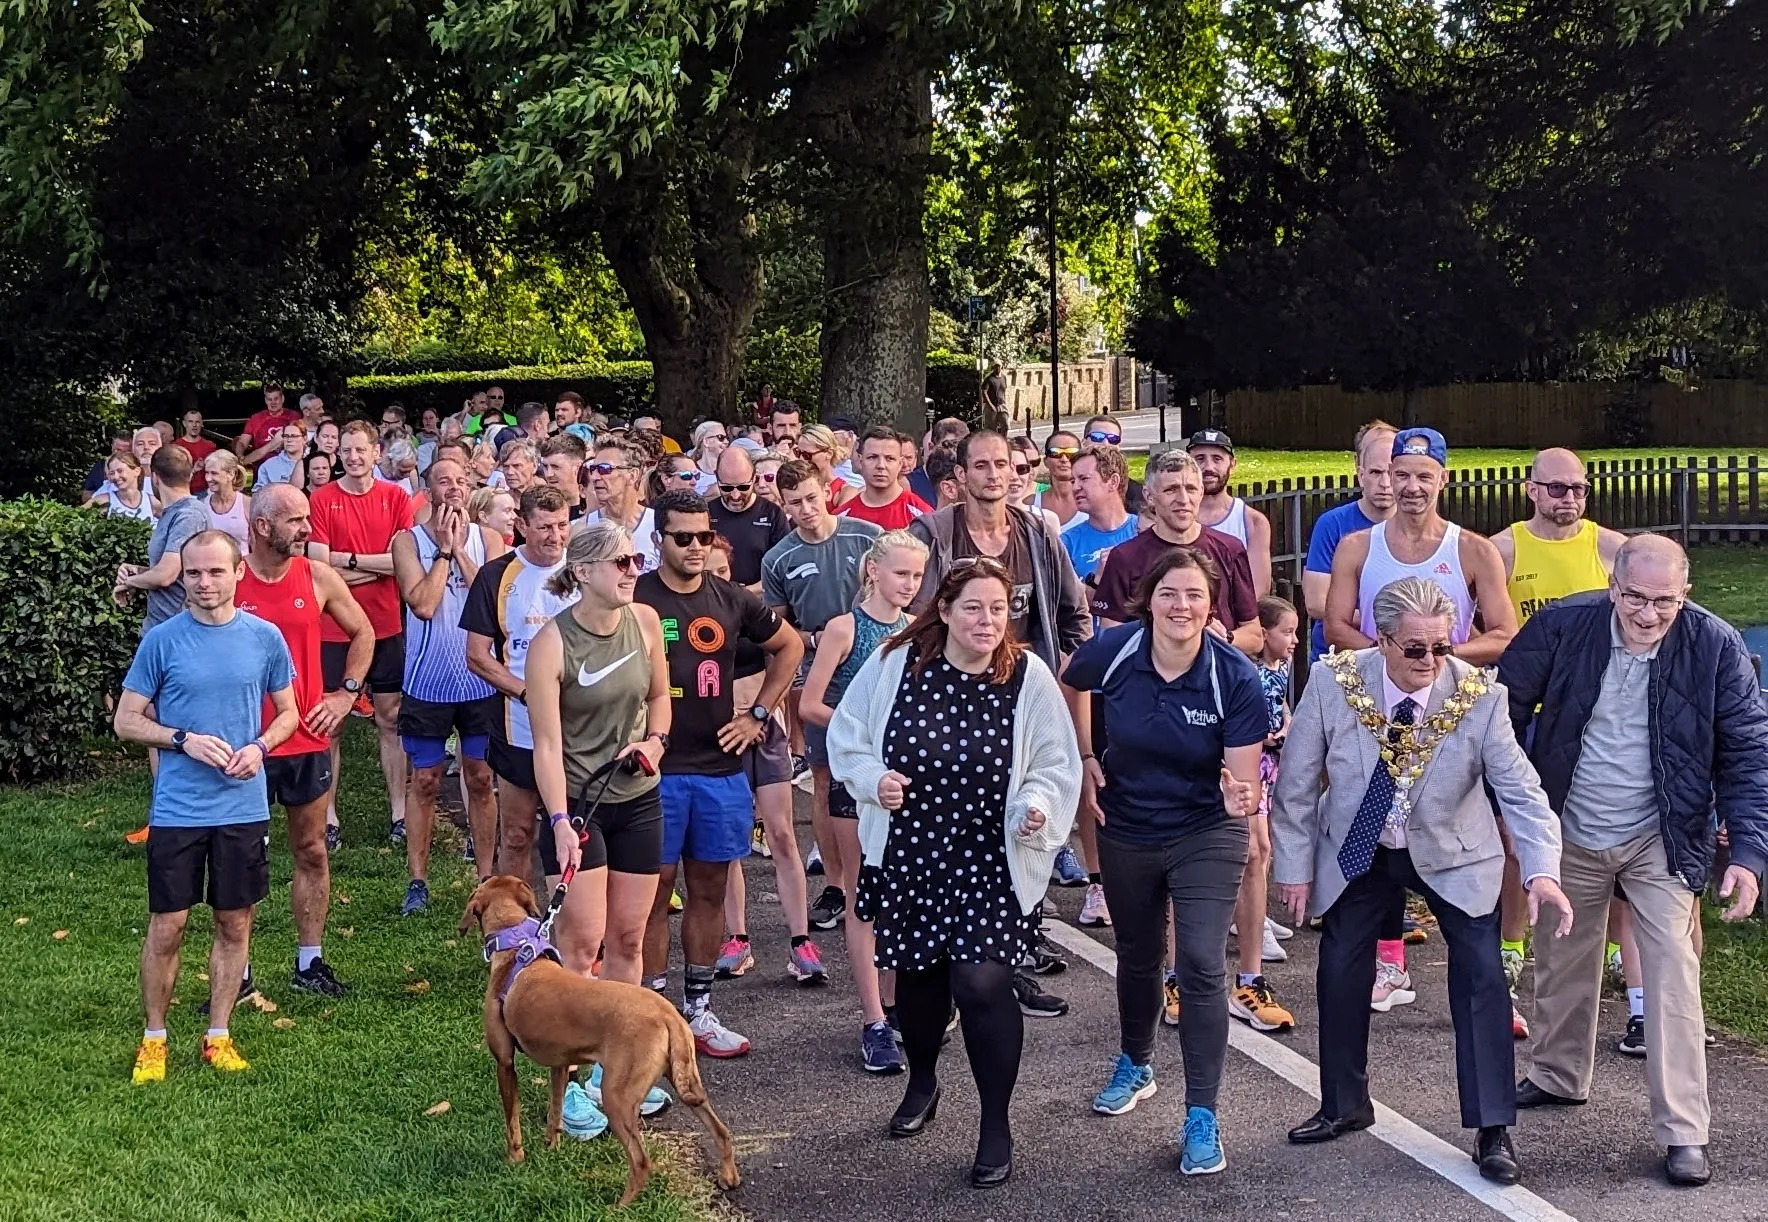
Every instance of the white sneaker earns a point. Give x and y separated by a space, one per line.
1092 908
1273 952
1393 987
713 1038
1281 932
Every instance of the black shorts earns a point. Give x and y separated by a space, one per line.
295 780
428 719
514 765
235 857
769 762
385 673
841 803
624 836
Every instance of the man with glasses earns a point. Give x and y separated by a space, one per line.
617 478
1214 451
1106 431
882 499
1650 734
752 525
487 413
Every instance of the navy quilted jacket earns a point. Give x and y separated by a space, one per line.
1709 726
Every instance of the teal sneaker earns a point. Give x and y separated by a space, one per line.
1130 1084
656 1099
1203 1144
584 1121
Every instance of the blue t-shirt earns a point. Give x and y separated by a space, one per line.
1329 531
209 679
1086 544
1163 769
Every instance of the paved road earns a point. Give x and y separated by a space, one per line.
1140 429
810 1124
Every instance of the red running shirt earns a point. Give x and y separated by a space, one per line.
895 516
293 607
365 523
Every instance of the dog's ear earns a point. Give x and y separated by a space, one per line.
529 902
475 908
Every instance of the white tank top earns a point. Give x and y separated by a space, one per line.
436 667
233 521
143 511
1443 567
1234 524
524 607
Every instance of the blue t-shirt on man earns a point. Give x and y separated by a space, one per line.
1087 545
209 679
1329 532
1163 769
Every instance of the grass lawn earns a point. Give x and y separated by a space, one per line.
1256 466
329 1122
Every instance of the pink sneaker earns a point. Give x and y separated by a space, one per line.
734 958
806 965
1393 987
1092 908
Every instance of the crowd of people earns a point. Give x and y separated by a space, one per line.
993 667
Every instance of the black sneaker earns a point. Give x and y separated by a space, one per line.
334 836
826 912
1034 1002
1044 960
247 986
396 832
318 978
470 854
800 766
1633 1043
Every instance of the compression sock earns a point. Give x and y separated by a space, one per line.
1635 1003
696 991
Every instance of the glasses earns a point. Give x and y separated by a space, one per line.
767 477
741 487
1068 452
628 564
686 477
1020 468
1633 600
608 468
1417 653
686 538
1104 439
1558 490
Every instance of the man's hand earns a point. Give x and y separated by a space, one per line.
326 716
1238 796
1544 890
126 571
740 733
1032 824
244 763
1216 627
891 787
1294 899
207 749
1742 884
567 845
1092 781
122 595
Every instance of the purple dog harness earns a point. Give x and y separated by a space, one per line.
530 945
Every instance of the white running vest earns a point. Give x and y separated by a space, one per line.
1234 525
524 607
1443 567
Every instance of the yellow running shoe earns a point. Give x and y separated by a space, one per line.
1170 1015
219 1051
1256 1005
150 1061
675 901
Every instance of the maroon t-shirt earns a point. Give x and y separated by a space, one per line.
1235 601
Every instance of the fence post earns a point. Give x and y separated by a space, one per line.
1292 511
1679 491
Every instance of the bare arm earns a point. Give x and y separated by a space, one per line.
784 653
369 565
546 656
1608 543
659 709
837 643
1249 638
1505 542
1313 593
133 725
1344 621
1485 573
156 577
1258 551
421 588
482 661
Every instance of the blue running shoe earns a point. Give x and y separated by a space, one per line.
656 1099
417 898
1067 870
583 1119
1130 1084
1203 1144
878 1051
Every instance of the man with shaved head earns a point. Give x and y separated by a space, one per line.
1649 733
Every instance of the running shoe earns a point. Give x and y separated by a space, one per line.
247 986
1393 987
1281 932
1512 968
1633 1043
814 863
877 1049
1616 974
805 964
1169 1012
800 767
1092 908
1272 951
1033 1001
826 912
734 958
656 1099
1130 1084
1519 1026
417 898
318 978
364 707
1067 871
470 853
583 1118
1256 1005
1414 934
334 837
396 832
150 1061
138 836
1043 959
713 1038
219 1052
758 842
675 904
1203 1144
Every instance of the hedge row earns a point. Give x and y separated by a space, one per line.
64 644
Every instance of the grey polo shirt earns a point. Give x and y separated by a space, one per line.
1613 796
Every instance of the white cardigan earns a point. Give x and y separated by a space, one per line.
1046 771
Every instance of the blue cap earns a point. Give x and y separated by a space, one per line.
583 432
1426 443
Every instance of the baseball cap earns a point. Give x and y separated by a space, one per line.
1427 443
1210 437
584 432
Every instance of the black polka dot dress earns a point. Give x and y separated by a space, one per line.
944 890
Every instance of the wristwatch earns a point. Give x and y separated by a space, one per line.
662 738
759 713
353 686
178 739
351 563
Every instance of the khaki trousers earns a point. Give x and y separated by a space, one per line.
1568 985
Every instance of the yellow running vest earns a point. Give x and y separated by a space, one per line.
1546 571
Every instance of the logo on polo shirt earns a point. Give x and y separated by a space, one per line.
1198 717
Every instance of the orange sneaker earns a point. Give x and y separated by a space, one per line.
219 1051
138 836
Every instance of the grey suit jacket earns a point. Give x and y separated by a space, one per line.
1451 833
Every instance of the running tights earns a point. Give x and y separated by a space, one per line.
994 1032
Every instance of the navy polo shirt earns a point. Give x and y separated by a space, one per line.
1163 769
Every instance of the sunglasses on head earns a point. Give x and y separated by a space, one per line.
740 487
686 538
608 468
1417 653
1100 438
1069 452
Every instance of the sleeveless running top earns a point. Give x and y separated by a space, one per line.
293 607
1546 570
233 521
143 511
436 648
1443 567
602 693
524 605
868 634
1234 524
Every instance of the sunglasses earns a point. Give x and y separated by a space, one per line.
686 538
1104 439
608 468
714 437
741 487
1020 468
1557 490
1069 452
686 477
767 477
628 564
807 454
1417 653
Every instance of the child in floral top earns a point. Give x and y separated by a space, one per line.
1281 623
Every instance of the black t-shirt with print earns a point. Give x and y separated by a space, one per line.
1022 605
751 533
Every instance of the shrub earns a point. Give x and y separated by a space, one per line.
952 384
53 436
64 644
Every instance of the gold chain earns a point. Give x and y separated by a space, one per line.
1405 759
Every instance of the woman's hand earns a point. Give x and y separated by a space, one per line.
1237 796
650 748
568 845
891 787
1032 824
1091 782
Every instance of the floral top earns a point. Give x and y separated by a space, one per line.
1275 681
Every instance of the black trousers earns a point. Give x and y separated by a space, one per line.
1479 996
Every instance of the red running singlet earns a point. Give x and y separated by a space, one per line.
293 607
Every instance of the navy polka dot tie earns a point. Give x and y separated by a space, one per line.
1357 853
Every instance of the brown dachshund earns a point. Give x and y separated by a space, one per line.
559 1019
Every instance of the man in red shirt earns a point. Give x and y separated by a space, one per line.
882 499
193 443
262 436
301 598
354 520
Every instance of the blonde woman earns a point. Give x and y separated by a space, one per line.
227 504
817 446
123 495
495 510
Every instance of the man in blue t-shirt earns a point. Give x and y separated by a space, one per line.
197 691
1100 477
1372 446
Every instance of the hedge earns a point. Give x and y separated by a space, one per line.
64 644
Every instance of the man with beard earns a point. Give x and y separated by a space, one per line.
281 586
1214 452
751 524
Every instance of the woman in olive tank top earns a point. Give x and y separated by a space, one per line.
598 689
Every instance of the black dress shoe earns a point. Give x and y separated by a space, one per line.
1321 1127
1687 1165
990 1177
907 1122
1530 1095
1496 1156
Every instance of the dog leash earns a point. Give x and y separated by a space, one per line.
634 764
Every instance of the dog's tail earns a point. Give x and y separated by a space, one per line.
684 1068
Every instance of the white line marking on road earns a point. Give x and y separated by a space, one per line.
1418 1144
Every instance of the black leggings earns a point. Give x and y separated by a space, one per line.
994 1032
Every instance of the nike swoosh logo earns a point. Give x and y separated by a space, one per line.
589 678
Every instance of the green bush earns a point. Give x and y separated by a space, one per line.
64 644
953 385
53 436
